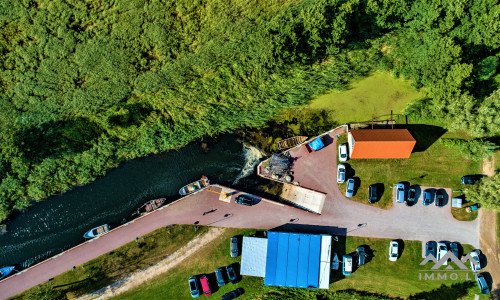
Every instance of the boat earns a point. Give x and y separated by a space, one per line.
335 262
291 142
96 231
194 186
5 271
151 206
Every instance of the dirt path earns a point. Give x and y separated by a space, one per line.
139 277
488 237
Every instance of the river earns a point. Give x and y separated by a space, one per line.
58 223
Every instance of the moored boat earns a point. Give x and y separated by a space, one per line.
96 231
194 186
151 206
5 271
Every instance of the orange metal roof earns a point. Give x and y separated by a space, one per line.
382 143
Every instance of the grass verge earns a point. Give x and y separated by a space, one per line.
378 276
111 267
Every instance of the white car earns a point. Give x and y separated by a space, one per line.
393 251
341 173
475 267
442 250
343 152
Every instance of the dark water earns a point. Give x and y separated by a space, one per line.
59 223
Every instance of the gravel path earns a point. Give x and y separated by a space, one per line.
488 237
137 278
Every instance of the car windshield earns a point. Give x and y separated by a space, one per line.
341 170
343 155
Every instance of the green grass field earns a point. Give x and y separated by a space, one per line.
374 96
431 165
391 279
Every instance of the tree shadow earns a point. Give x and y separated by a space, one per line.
56 138
425 135
455 291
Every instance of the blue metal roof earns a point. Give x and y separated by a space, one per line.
293 260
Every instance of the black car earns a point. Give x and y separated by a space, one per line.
439 198
431 248
231 274
232 294
454 249
244 199
372 194
361 255
412 196
471 179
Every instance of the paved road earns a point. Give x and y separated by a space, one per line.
340 216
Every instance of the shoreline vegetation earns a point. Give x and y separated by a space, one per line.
84 87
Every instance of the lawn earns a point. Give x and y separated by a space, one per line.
110 267
373 96
431 164
392 279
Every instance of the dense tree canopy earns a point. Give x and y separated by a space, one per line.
87 84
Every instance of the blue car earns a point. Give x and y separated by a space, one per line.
349 189
431 248
427 200
481 282
193 286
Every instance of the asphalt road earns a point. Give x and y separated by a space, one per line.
316 170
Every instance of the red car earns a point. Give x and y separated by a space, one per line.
205 286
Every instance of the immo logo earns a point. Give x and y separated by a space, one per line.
434 273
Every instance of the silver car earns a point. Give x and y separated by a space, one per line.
442 250
341 173
400 192
475 266
234 247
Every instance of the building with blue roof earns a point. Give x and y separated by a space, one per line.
291 259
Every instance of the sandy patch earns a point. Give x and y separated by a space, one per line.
139 277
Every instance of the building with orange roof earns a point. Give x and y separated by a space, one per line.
380 143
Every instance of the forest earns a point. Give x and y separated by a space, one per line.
87 84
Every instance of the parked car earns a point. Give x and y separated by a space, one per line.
481 282
372 193
232 294
343 152
219 277
341 173
431 248
442 250
475 266
412 196
346 265
231 274
471 179
393 250
361 255
193 286
349 189
439 198
400 192
205 285
234 247
244 199
427 197
454 249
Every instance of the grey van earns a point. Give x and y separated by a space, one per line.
400 192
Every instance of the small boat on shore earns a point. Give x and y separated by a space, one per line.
151 206
5 271
194 186
96 231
